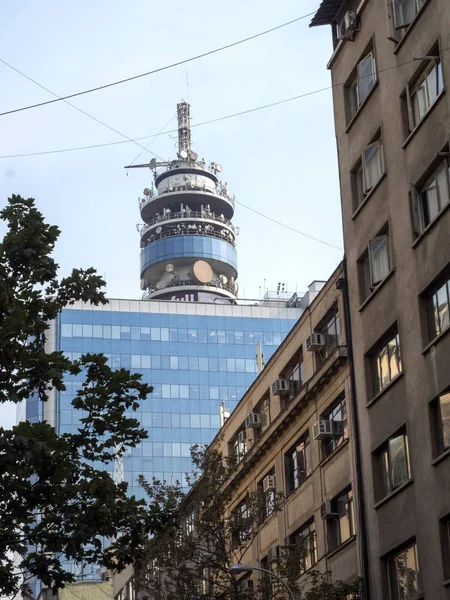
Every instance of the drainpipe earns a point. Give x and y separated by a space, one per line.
342 283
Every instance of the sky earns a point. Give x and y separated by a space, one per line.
280 161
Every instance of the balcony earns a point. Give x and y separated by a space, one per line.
191 229
193 285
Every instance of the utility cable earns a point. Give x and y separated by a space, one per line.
171 66
78 109
216 120
154 138
289 227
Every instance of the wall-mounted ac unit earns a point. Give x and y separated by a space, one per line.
327 510
280 387
327 428
315 342
241 437
349 25
343 351
272 554
253 419
269 483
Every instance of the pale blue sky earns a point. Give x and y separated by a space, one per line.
281 161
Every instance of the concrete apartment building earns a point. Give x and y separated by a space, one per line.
292 433
390 68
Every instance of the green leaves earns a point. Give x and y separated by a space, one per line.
56 504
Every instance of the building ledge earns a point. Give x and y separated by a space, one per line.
369 195
424 118
430 226
341 547
375 291
435 340
392 494
441 457
385 389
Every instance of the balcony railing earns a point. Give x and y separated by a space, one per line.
188 214
190 282
219 190
223 235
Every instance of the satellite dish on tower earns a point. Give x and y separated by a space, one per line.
169 268
219 168
223 278
202 271
193 155
152 164
183 154
159 229
146 192
161 284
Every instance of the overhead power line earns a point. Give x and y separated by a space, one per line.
210 121
171 66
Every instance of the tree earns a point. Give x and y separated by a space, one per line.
57 501
189 559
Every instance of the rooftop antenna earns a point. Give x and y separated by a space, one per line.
187 88
184 127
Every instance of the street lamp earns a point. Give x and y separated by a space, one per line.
245 569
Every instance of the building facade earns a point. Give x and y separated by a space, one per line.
390 68
292 434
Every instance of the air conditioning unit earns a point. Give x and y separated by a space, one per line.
246 584
327 510
241 436
343 351
322 429
349 25
269 483
272 554
280 387
253 419
315 342
327 428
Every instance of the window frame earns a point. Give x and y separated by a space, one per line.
441 423
343 504
293 466
420 80
421 214
305 537
361 188
376 360
332 320
331 444
435 327
387 467
356 95
417 4
268 498
389 572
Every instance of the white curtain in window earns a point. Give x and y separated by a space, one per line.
442 185
404 12
379 259
432 199
372 165
366 76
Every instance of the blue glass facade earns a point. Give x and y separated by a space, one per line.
188 246
193 361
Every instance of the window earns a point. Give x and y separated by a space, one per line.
305 539
403 574
375 263
238 445
337 414
442 421
361 82
341 520
430 199
241 525
405 11
267 492
444 526
294 373
298 463
394 463
386 361
368 170
421 95
330 328
438 308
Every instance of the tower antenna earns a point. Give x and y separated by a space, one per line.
187 88
184 127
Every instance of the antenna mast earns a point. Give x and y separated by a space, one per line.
184 127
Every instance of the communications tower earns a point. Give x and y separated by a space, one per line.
188 242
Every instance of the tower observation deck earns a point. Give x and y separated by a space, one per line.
188 242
